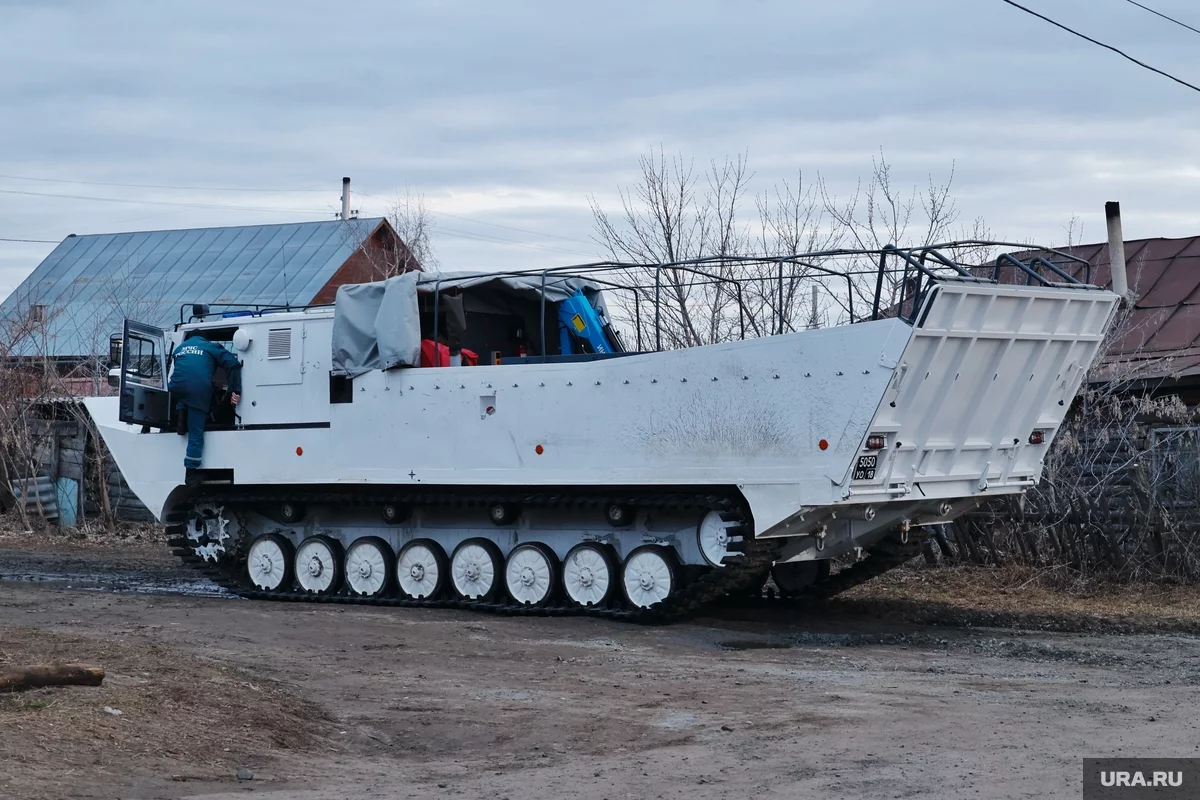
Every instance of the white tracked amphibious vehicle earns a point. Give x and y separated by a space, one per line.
487 441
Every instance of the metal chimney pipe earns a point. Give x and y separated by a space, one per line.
1116 249
345 198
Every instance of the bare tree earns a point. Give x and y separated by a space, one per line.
412 249
666 218
882 214
413 222
674 214
1074 230
791 221
27 380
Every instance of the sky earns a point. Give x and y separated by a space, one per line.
119 115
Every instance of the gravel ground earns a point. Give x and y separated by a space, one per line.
323 702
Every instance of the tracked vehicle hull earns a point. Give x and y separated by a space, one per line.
671 479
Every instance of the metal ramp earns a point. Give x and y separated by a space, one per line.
984 383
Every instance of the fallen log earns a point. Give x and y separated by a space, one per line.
21 678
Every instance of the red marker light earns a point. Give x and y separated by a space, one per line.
876 442
539 449
824 445
1037 437
299 451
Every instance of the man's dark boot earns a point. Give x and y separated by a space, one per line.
192 477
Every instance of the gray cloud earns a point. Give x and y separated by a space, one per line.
514 113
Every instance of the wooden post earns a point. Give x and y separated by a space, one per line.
19 679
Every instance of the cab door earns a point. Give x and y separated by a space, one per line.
143 386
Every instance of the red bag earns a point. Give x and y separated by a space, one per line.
434 358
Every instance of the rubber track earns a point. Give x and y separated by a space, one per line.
739 573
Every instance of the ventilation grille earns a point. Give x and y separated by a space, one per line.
279 343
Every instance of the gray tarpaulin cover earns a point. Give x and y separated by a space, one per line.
376 326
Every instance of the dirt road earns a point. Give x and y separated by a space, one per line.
323 702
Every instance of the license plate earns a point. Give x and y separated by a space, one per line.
864 470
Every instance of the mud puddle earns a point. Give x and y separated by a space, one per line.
125 584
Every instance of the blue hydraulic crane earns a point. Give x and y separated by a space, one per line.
582 328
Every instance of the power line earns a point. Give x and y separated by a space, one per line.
1102 44
483 237
162 186
512 228
1164 16
179 204
453 233
490 224
175 203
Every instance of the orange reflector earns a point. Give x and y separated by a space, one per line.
299 451
824 445
539 449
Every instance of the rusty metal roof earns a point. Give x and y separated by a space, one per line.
1161 338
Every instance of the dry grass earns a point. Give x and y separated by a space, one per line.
1025 590
91 534
182 716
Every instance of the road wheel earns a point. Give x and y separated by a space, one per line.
369 567
421 569
589 573
319 565
269 563
794 577
475 569
531 574
649 576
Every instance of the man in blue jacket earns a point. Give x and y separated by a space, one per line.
191 386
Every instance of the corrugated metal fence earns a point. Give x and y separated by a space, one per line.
40 496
